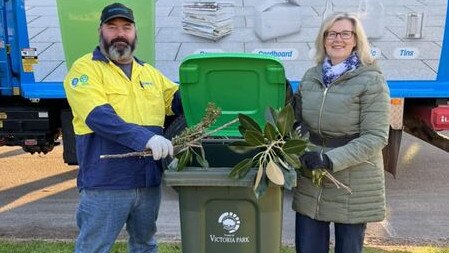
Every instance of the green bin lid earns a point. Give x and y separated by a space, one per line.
235 82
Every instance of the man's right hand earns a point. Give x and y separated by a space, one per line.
160 147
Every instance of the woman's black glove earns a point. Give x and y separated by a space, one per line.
314 160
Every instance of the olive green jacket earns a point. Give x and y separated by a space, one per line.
356 103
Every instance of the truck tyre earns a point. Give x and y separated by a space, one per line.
391 151
68 138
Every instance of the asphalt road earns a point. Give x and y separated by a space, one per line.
38 198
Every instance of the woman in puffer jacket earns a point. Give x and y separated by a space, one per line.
344 103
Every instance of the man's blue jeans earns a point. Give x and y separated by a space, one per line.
312 236
102 214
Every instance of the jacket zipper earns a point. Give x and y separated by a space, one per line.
318 200
321 110
319 132
317 210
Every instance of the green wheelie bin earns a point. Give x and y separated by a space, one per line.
220 214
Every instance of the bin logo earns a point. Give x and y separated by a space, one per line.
75 82
230 222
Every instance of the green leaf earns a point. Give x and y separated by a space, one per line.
290 179
202 161
242 130
241 169
294 135
254 138
274 173
262 187
248 123
200 157
270 132
271 116
173 164
284 165
241 147
293 160
184 159
294 146
285 120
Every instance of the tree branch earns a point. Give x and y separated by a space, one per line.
178 148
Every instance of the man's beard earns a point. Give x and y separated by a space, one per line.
119 49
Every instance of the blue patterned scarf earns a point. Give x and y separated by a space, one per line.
331 73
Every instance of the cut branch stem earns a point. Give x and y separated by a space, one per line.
337 183
177 149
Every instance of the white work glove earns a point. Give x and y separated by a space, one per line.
160 147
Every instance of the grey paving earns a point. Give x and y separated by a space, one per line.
39 199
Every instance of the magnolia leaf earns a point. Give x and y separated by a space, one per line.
285 120
290 177
184 159
242 130
201 161
258 177
173 165
270 132
241 169
294 146
284 165
254 138
203 154
262 187
293 160
274 173
241 147
200 157
248 123
294 135
271 116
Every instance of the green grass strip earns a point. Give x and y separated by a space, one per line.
12 246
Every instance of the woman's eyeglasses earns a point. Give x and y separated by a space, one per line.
344 35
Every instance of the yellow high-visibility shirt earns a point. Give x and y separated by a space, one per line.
94 81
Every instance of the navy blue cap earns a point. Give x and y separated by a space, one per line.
116 10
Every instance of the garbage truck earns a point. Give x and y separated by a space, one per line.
410 40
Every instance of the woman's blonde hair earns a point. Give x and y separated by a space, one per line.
362 45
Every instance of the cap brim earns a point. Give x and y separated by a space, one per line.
117 16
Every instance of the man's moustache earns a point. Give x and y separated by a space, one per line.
119 40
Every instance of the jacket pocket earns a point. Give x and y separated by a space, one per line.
152 106
118 99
